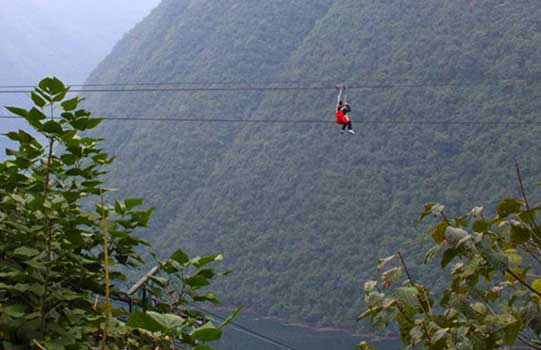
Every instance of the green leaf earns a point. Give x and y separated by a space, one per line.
231 317
12 135
416 334
199 262
61 96
512 331
513 256
51 127
438 232
519 233
461 221
448 256
83 124
481 226
52 86
71 104
142 217
508 207
55 345
207 333
480 308
103 159
209 297
427 211
140 319
78 172
38 289
495 258
207 273
504 319
197 281
180 257
131 203
369 312
38 100
517 271
21 136
392 276
44 84
407 296
167 321
18 111
365 346
509 323
120 207
536 285
35 115
26 252
57 86
440 334
405 325
385 261
529 216
433 252
15 311
75 238
202 347
92 184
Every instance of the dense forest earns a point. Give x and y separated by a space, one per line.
301 212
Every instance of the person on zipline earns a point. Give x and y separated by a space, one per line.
342 109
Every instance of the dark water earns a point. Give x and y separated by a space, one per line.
295 337
248 332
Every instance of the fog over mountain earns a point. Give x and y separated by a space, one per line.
60 38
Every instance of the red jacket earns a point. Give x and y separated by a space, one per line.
341 117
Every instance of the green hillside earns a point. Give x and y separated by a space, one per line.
301 212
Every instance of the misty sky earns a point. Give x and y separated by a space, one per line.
62 38
66 38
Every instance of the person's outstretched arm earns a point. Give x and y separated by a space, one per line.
339 97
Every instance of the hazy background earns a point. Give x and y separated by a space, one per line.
63 38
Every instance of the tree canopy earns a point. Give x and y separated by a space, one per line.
65 251
493 295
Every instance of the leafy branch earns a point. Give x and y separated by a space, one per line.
59 260
489 303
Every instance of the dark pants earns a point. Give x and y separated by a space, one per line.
348 125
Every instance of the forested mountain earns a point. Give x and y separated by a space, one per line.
301 212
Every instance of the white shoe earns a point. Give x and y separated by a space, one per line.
351 132
341 132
